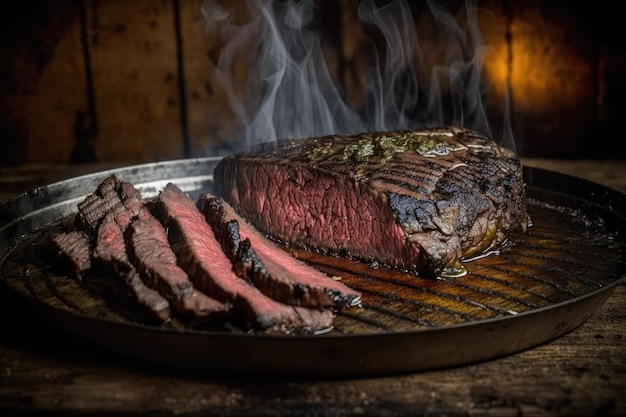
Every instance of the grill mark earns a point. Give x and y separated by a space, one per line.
428 170
577 257
430 173
416 192
403 300
57 295
412 173
553 260
462 177
419 182
586 283
469 301
24 275
458 176
385 312
493 293
365 320
344 271
420 190
465 178
421 322
515 286
527 275
28 280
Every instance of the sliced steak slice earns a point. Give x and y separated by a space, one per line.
152 255
117 209
110 251
421 200
106 214
275 272
153 303
133 202
74 248
201 256
111 196
96 205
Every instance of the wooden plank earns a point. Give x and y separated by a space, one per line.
210 118
201 113
43 89
133 52
565 85
543 55
552 85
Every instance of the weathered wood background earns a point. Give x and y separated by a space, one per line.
131 81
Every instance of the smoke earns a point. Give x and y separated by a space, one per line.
273 69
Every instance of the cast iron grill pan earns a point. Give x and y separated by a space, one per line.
542 284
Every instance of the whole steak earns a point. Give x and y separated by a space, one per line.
421 200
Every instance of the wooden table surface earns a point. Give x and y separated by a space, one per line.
583 373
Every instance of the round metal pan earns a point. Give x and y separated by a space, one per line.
541 285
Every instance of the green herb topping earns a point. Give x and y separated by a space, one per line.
382 148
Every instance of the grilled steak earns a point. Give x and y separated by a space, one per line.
201 256
111 251
120 198
133 243
74 248
150 251
271 269
98 236
105 215
421 200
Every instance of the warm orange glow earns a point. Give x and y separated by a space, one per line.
497 68
544 71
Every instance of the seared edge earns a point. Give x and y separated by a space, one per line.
271 269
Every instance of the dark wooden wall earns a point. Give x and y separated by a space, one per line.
130 81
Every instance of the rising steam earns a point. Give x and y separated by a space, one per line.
287 89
